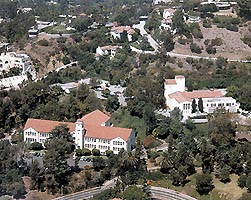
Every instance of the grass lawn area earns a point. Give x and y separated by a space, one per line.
57 29
122 118
220 192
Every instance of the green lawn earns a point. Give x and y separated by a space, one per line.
122 118
57 29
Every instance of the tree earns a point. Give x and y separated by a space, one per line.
133 193
245 8
82 24
221 128
224 174
36 146
167 40
200 105
242 181
248 183
179 24
86 152
153 21
204 183
112 103
17 190
34 173
95 152
194 106
98 163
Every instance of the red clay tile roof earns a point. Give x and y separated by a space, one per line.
92 125
170 82
110 47
179 76
189 96
46 126
95 118
106 132
179 97
121 29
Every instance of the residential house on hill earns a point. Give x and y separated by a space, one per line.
11 59
116 32
107 50
177 96
94 130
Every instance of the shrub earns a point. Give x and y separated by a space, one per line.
108 153
216 42
210 49
36 146
206 42
182 40
43 42
189 60
195 48
207 23
86 152
79 152
95 152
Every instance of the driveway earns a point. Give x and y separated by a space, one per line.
143 33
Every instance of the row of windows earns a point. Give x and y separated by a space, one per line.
118 143
90 146
186 106
31 133
104 147
98 140
44 135
220 104
30 140
117 149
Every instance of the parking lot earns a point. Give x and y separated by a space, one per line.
82 163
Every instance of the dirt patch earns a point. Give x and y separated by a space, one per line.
34 194
232 46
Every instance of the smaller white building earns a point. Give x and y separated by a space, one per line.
167 13
116 32
13 82
177 96
107 50
11 59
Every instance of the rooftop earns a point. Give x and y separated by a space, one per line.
46 126
189 96
95 118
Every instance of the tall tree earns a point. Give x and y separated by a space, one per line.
200 105
194 106
204 183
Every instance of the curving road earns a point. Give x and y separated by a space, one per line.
157 193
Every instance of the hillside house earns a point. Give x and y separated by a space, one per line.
177 96
11 59
116 32
94 130
107 50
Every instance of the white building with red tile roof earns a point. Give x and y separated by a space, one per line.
116 32
94 130
107 50
176 96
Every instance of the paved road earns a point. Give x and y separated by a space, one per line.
157 193
143 32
